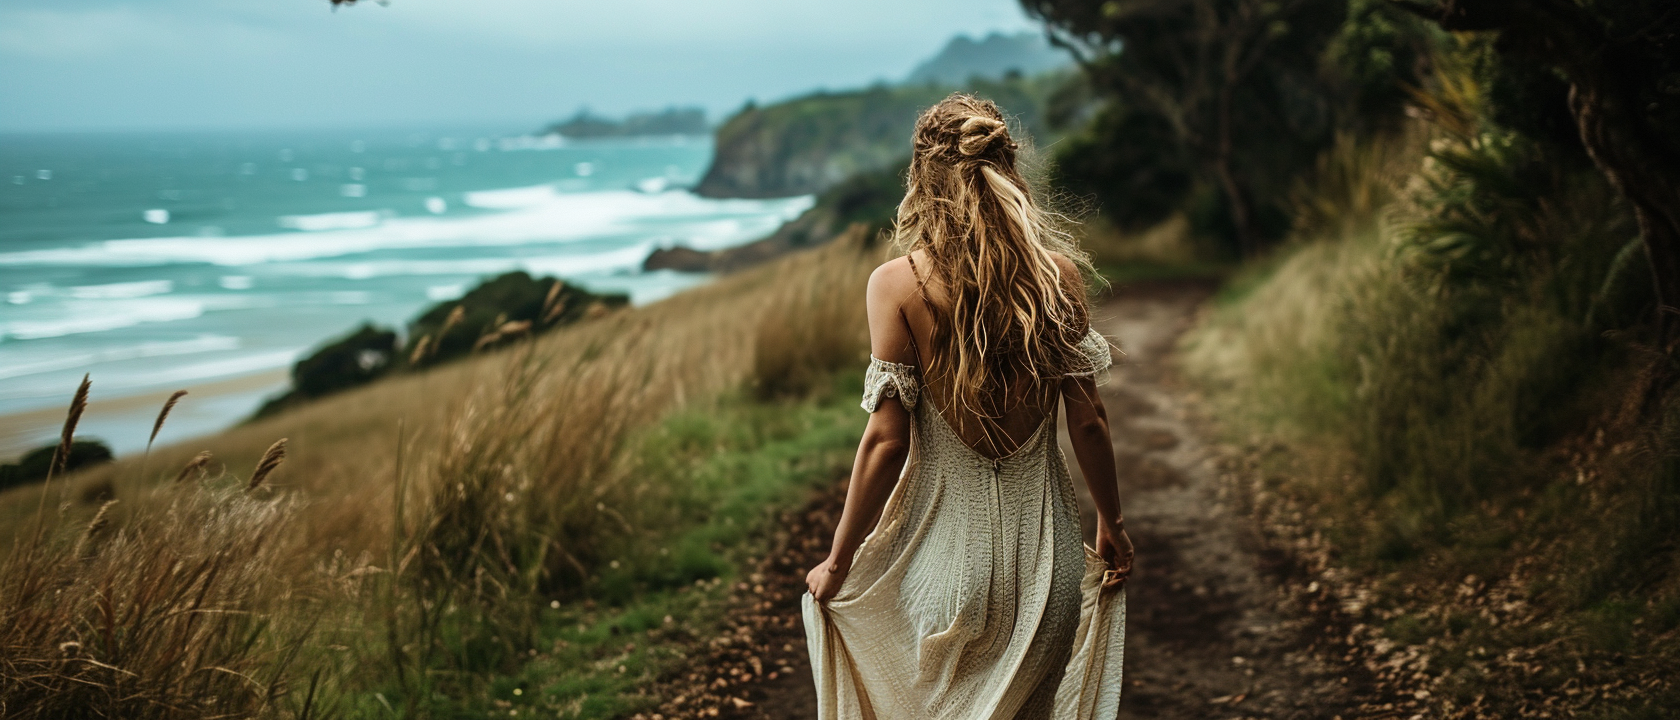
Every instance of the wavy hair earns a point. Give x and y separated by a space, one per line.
1009 313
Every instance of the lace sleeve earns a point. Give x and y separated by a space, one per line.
1096 350
885 379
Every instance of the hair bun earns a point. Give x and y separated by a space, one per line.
981 134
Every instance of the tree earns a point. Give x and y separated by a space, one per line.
1235 83
1621 61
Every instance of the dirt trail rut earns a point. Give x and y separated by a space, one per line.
1211 634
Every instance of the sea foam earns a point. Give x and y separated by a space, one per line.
532 215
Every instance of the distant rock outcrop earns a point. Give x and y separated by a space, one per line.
498 311
810 144
670 121
995 57
34 465
868 200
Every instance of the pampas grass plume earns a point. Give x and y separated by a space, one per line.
271 459
163 415
197 463
77 405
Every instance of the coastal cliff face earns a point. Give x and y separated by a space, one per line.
865 202
810 144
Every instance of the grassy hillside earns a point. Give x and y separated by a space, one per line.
1459 419
478 535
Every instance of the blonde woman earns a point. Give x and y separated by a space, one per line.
958 587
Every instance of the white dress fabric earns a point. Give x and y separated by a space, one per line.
974 598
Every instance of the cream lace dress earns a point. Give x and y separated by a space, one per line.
974 598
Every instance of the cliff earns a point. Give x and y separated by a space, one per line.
994 56
812 143
868 199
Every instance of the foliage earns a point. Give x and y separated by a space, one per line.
1620 65
355 359
498 311
1216 106
33 466
813 142
501 309
1465 377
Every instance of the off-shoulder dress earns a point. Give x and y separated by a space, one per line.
974 598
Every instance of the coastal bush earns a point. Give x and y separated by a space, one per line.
355 359
33 466
499 310
496 312
1214 107
1469 385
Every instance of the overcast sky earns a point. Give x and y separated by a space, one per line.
149 64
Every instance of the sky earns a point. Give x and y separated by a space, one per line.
203 64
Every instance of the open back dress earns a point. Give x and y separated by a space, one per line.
974 598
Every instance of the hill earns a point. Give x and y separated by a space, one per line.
810 143
995 56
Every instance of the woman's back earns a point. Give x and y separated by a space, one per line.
1019 405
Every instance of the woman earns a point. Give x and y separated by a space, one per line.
973 596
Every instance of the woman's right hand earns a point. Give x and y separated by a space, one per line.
825 580
1115 549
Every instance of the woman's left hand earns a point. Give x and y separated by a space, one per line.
824 580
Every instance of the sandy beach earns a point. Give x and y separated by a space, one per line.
124 422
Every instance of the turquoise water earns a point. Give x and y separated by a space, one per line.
154 261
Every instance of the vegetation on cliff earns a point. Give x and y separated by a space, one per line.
497 311
1458 377
811 143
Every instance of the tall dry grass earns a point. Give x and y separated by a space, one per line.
416 523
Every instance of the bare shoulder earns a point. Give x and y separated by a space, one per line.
1064 264
1072 279
893 282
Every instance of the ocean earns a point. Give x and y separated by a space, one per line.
155 261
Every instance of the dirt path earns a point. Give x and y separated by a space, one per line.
1212 633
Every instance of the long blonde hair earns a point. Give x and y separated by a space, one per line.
1009 313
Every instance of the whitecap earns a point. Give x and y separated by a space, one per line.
332 221
440 293
88 317
533 215
201 344
122 291
510 198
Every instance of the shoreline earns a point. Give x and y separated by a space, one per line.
124 422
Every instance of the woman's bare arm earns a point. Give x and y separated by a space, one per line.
886 439
1087 422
